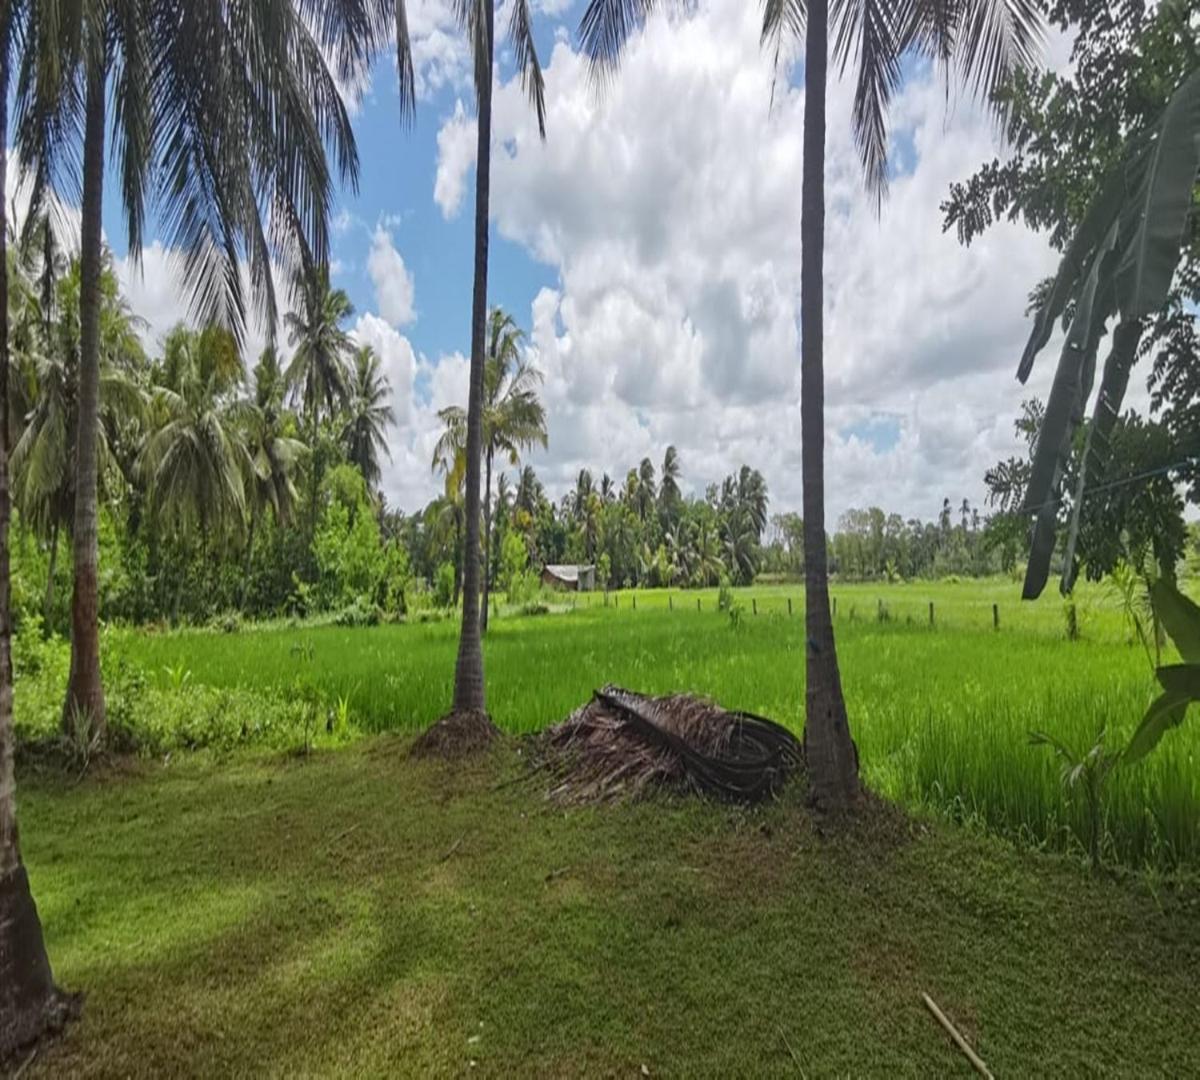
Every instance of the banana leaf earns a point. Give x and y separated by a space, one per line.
1104 416
1180 616
1064 411
1121 260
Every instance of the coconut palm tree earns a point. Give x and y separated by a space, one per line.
318 376
513 419
669 495
645 494
222 117
368 413
195 462
274 453
30 1003
981 43
477 18
43 458
451 508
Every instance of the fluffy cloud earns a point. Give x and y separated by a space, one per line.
456 156
393 283
670 207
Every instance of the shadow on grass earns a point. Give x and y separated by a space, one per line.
360 913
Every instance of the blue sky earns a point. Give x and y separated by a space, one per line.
650 247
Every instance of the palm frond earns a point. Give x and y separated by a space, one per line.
520 32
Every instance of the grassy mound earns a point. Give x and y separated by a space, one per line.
358 912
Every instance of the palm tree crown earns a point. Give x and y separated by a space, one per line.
368 413
318 376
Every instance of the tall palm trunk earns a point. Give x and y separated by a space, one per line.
832 758
85 693
29 1000
468 670
487 544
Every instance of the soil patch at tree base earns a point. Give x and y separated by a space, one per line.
456 735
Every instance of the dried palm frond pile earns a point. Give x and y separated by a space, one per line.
625 744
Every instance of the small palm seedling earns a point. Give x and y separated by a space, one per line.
1085 772
178 676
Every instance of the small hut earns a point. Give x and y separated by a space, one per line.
569 578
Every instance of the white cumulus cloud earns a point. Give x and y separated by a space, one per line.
393 283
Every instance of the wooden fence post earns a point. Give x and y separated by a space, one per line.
635 601
670 603
835 607
930 612
697 603
789 605
995 616
754 604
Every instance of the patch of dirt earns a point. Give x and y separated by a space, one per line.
623 744
456 735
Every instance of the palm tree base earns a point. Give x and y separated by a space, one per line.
458 734
31 1006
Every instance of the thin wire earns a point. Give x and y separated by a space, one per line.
1123 482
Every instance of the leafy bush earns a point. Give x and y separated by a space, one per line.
443 585
535 607
523 587
156 716
358 613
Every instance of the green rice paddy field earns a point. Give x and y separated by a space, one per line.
941 713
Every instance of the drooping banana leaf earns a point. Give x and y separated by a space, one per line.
1096 450
1140 211
1180 616
1064 411
1167 711
1080 256
1182 680
1161 200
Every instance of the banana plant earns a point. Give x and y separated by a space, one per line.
1180 617
1120 263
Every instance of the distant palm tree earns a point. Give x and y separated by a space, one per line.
581 494
513 419
669 495
983 42
645 492
752 498
318 376
451 509
368 413
607 491
529 491
274 453
195 462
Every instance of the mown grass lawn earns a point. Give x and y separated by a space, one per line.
358 913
